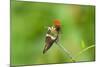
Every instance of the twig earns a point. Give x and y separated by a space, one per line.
66 51
69 54
84 51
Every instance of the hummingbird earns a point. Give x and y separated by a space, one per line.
52 35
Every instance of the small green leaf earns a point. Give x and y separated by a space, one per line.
83 44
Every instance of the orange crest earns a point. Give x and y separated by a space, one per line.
57 22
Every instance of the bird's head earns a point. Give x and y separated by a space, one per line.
57 24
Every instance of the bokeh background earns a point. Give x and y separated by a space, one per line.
29 22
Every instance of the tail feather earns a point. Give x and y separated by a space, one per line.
46 48
44 51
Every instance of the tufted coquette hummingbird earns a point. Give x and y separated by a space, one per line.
52 35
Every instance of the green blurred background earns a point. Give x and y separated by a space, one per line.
29 22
